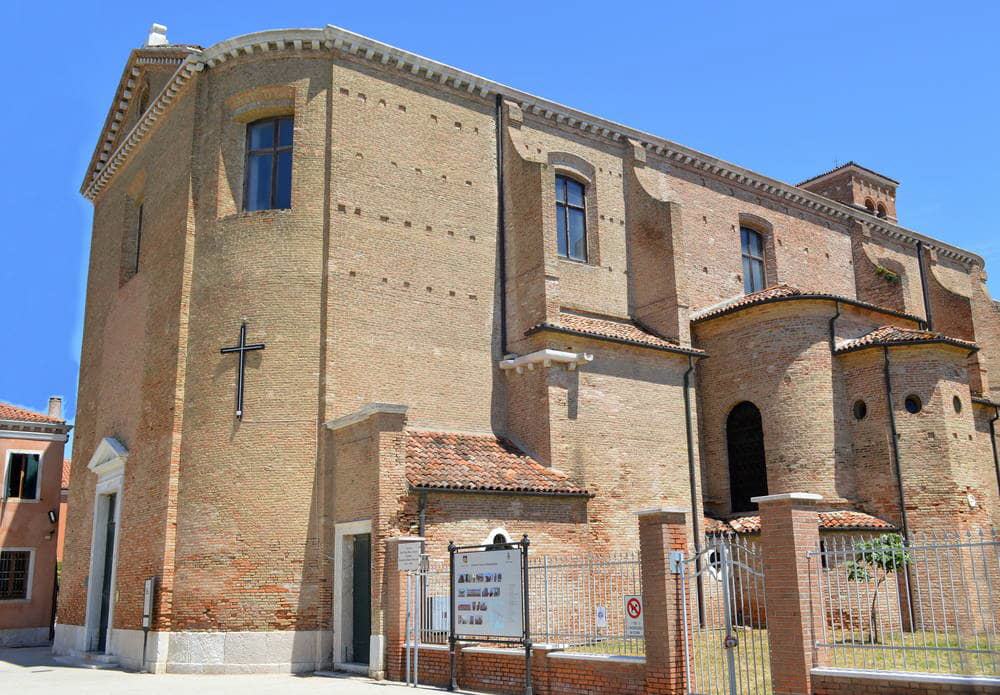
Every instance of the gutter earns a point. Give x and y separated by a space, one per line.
993 441
923 286
695 516
424 489
904 525
501 227
833 335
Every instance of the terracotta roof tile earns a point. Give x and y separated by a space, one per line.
478 462
13 412
782 292
842 520
894 335
617 330
65 473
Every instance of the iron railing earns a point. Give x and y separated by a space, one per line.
579 602
931 604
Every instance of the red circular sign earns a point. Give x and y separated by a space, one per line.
633 607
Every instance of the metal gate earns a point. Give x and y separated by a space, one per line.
725 627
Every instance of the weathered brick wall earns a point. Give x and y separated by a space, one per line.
878 287
777 357
131 369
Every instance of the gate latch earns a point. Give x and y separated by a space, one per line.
676 561
731 641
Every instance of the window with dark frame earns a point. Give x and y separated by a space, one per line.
268 177
752 244
21 481
14 565
571 219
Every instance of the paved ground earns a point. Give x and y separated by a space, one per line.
31 671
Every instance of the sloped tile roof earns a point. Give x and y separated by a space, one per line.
842 520
13 412
610 329
65 473
894 335
783 292
478 462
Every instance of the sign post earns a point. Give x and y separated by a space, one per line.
489 599
148 592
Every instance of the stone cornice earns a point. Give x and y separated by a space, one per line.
387 57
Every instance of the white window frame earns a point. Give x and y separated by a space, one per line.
498 530
38 479
31 574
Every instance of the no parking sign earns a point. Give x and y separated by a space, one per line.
633 616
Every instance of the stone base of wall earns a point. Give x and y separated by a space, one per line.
829 681
209 652
24 637
493 670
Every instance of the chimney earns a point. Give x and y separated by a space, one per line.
55 407
157 36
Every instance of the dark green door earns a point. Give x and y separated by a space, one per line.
109 563
362 598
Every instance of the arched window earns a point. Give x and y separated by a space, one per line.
268 184
870 205
881 210
747 467
752 244
571 218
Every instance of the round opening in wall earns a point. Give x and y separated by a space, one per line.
913 404
860 410
957 402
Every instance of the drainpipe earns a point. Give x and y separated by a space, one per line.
422 513
695 517
833 321
895 444
993 441
923 286
501 228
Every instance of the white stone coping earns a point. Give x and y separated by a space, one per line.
662 510
794 496
365 412
604 658
426 647
909 677
505 651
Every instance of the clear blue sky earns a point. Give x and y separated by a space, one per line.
910 89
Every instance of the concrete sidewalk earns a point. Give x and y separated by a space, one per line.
33 670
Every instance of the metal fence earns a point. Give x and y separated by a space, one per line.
931 604
579 602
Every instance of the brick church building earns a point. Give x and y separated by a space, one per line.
339 292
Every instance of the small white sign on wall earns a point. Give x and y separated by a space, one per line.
408 558
601 617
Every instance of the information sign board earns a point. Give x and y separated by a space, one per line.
408 557
488 596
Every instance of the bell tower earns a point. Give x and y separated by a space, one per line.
854 185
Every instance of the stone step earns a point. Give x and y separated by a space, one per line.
93 660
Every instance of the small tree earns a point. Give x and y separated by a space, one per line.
874 560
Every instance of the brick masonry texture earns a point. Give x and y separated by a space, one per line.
381 285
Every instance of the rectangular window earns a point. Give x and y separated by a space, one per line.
752 244
21 479
571 219
14 567
268 184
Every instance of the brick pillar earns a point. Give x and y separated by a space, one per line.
394 607
662 531
790 529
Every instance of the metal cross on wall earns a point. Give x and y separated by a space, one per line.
242 349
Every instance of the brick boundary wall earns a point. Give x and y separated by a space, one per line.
827 682
554 672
